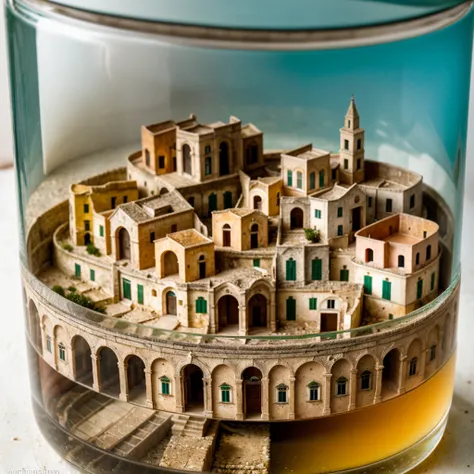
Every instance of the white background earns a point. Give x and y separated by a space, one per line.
23 447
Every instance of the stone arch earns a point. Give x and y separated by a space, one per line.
296 218
254 232
226 235
391 373
228 311
163 385
433 355
257 308
257 202
82 362
123 244
34 326
193 388
415 371
169 263
109 377
279 378
252 392
340 390
136 380
224 401
307 374
365 380
187 159
61 340
163 191
170 306
224 158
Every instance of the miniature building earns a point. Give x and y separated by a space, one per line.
240 229
263 194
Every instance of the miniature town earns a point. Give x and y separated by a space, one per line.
209 236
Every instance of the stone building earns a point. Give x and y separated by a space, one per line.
263 194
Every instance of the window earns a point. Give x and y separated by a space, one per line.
191 200
101 230
367 284
161 162
125 199
348 124
419 289
92 274
388 205
322 177
316 269
291 270
290 178
208 165
425 234
299 180
282 393
346 164
140 297
165 385
174 228
346 144
317 214
154 293
312 180
207 149
48 344
428 252
77 270
341 386
331 304
147 157
313 391
369 255
340 211
201 305
412 201
390 316
359 144
344 274
359 163
113 201
313 303
278 199
401 261
334 174
86 208
386 290
366 380
433 352
256 262
225 393
369 201
417 258
340 230
290 309
433 280
62 352
413 363
87 225
152 237
202 267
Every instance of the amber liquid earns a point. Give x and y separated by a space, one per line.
363 436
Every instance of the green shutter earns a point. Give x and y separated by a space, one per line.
313 303
340 230
201 305
291 270
344 275
367 284
386 290
127 289
290 309
312 181
140 294
101 230
321 179
92 273
419 289
212 204
77 270
290 178
317 213
433 278
317 269
227 200
339 211
256 262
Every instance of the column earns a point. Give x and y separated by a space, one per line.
378 383
291 414
149 388
265 399
353 389
243 322
327 394
212 315
239 398
403 374
207 382
95 372
178 391
122 367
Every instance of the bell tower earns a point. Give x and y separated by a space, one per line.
351 155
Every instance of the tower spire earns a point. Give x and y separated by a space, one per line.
352 114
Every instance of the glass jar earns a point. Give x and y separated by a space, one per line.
203 293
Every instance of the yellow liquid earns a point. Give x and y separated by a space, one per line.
364 436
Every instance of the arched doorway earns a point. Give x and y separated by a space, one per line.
87 238
35 328
193 388
252 391
202 267
135 377
109 377
296 218
369 255
169 264
163 191
224 167
257 307
123 244
254 236
228 311
187 165
171 303
226 235
257 203
82 361
391 374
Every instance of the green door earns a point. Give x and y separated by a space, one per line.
140 294
368 284
317 269
290 309
126 289
291 270
77 270
227 200
419 289
344 275
212 205
386 290
321 178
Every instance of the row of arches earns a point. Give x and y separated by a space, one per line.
224 160
227 235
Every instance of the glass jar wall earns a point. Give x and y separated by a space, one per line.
240 248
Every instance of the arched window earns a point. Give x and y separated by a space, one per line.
321 178
202 266
254 236
401 261
165 385
291 269
341 386
62 352
413 364
278 199
312 180
366 380
49 344
369 255
208 165
417 258
257 202
153 292
428 252
225 393
299 180
226 235
433 352
282 393
289 180
313 391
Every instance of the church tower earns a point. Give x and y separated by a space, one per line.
351 157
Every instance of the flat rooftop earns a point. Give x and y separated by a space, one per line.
312 154
335 193
399 238
189 238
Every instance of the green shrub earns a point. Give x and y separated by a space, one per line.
72 289
313 235
93 250
59 290
67 246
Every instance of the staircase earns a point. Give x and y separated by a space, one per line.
187 425
85 407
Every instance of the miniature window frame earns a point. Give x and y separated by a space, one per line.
432 352
62 352
201 305
101 230
299 180
86 208
331 304
366 380
314 391
340 230
413 367
49 344
341 387
282 394
225 393
165 385
313 303
317 213
340 211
